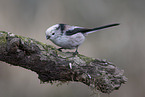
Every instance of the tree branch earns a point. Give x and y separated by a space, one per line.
53 65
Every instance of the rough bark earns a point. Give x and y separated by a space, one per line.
53 65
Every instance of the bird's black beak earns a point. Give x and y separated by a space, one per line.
47 36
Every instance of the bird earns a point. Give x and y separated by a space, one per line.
71 37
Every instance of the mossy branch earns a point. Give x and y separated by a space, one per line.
53 65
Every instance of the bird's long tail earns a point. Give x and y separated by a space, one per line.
102 27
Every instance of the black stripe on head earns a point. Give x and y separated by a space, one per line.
62 27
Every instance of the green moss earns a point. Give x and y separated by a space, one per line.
86 59
3 36
25 39
29 40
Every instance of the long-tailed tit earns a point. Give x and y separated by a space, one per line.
70 37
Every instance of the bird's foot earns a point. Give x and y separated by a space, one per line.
60 49
75 53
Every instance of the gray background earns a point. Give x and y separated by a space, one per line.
123 45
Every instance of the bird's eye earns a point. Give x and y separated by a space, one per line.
53 33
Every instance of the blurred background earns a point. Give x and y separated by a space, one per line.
123 45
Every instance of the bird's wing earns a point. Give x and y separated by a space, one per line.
77 30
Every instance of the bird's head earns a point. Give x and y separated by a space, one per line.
52 31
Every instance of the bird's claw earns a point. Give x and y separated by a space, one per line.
60 49
75 53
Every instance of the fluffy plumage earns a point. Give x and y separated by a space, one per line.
70 37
